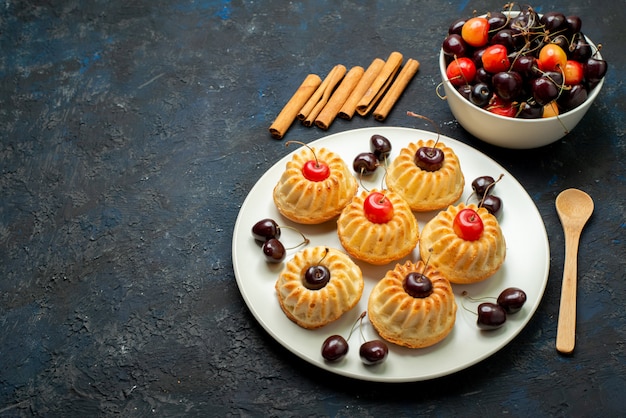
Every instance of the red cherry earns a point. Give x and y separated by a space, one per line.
461 71
552 58
378 208
573 72
476 31
467 225
501 107
495 59
315 170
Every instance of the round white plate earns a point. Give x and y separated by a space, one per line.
526 266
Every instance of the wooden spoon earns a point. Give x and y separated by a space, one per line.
574 208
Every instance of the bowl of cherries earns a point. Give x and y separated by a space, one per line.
519 79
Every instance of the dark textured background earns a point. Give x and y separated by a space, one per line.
131 133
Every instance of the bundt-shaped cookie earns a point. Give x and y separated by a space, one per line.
459 260
426 190
378 243
410 321
312 202
315 308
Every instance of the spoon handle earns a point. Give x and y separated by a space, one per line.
566 327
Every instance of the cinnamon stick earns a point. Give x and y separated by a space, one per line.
288 114
380 84
349 107
332 79
396 89
338 98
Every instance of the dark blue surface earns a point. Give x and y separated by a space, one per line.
131 134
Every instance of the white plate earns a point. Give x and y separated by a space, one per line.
526 266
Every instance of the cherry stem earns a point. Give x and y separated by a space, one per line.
415 115
430 253
466 296
361 325
305 239
360 318
482 200
317 163
324 256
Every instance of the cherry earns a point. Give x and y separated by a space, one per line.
378 208
461 71
465 90
274 250
550 110
495 59
481 184
507 84
544 90
554 22
316 277
313 170
475 31
483 76
501 107
365 163
594 70
572 97
573 72
417 285
334 348
456 26
525 65
268 231
468 225
492 203
574 23
512 299
373 352
454 46
490 316
429 158
380 147
506 38
552 57
480 94
265 229
579 49
530 110
497 21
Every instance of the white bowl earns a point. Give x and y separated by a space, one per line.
510 132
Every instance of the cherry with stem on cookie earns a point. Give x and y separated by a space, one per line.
428 158
317 276
335 347
417 284
468 225
378 208
313 170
